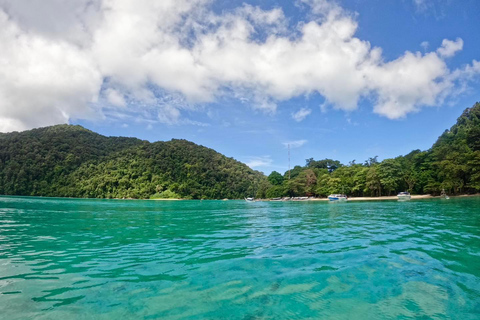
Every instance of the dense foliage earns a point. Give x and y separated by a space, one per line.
453 164
71 161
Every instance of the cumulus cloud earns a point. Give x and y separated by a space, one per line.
449 48
405 84
43 82
295 143
301 114
58 58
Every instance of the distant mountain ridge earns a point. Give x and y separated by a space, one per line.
71 161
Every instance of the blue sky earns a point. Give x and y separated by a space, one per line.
334 79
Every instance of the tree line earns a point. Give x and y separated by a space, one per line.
452 164
71 161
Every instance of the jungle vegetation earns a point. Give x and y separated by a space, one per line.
71 161
452 163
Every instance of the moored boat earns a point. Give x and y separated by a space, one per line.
299 198
250 199
404 196
337 198
444 195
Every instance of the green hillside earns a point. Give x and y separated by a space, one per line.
71 161
453 164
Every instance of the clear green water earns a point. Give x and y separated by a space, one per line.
107 259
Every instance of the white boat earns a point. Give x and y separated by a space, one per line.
299 198
404 196
250 199
337 198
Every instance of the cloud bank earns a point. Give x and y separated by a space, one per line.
83 59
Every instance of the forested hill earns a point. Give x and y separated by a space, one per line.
456 154
452 164
71 161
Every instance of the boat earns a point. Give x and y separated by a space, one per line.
444 195
300 198
337 198
404 196
250 199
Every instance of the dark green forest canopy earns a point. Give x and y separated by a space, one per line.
71 161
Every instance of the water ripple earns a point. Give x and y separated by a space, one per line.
75 259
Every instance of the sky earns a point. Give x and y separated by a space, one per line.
346 79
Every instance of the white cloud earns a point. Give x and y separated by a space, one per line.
56 20
294 144
58 57
115 97
405 84
43 82
449 48
169 115
301 114
425 45
255 162
421 5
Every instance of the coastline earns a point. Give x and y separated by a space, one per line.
383 198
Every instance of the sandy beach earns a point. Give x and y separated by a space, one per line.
413 197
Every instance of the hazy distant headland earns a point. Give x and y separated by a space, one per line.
71 161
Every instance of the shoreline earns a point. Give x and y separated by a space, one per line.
382 198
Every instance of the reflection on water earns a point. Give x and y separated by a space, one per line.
106 259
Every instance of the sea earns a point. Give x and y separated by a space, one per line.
140 259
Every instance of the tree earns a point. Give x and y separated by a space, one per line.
293 173
308 180
275 178
371 161
389 173
329 164
275 192
373 181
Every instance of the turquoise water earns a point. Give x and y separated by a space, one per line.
107 259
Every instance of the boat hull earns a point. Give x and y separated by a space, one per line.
337 199
404 198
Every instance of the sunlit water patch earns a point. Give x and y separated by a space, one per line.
107 259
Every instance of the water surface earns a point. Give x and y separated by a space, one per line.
112 259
